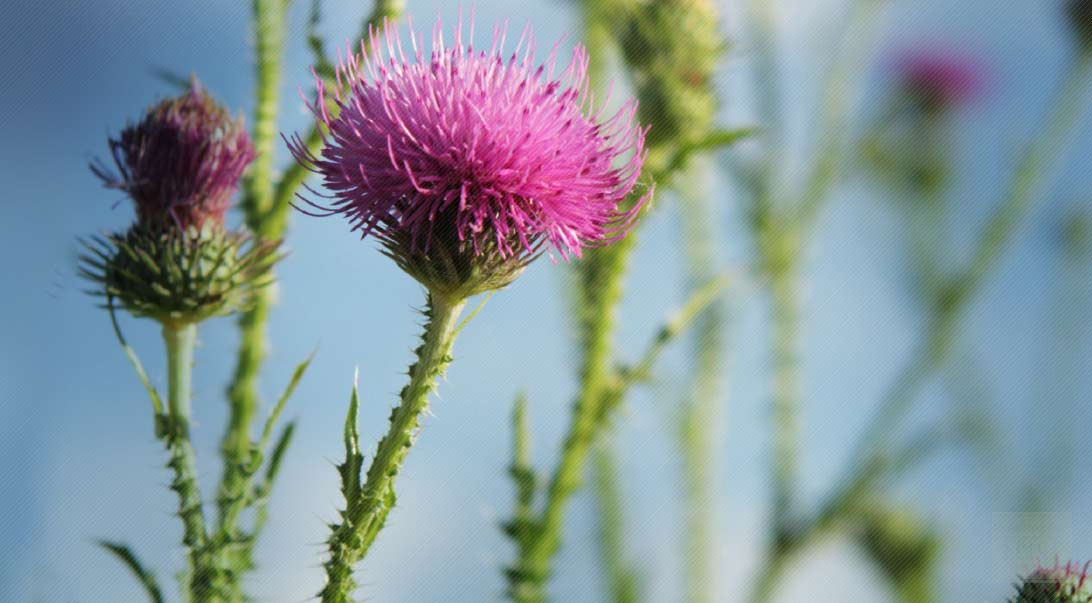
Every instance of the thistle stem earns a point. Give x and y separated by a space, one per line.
204 582
602 275
366 514
784 301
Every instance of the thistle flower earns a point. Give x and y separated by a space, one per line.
178 264
181 163
937 81
464 164
1058 584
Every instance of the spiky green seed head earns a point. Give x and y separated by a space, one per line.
673 48
1067 583
178 277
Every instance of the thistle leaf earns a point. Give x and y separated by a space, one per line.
147 578
350 469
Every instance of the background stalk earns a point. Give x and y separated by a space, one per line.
367 510
702 418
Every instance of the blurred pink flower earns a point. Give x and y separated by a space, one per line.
500 151
939 78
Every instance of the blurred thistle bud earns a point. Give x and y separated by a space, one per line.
1080 18
673 48
904 548
935 81
178 264
1058 584
464 193
181 163
909 142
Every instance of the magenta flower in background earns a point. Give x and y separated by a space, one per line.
939 79
500 154
182 162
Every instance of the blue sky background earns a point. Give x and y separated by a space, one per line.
78 461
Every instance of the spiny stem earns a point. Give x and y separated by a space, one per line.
257 200
205 581
364 516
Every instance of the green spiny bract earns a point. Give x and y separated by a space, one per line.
673 48
451 267
178 277
904 548
1058 584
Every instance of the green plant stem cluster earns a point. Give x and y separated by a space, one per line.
874 462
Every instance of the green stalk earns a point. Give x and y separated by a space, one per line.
784 302
622 580
367 512
243 391
601 277
205 581
703 415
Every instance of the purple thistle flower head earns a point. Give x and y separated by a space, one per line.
181 163
464 154
939 80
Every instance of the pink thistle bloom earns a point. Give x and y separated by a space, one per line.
465 149
940 79
181 163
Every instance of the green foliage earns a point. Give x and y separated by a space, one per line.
146 577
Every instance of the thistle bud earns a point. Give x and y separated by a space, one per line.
178 264
673 48
181 163
1058 584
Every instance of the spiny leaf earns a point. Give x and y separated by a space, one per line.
350 469
267 431
146 578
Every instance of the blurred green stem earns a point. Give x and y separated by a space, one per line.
703 416
1021 197
601 276
622 579
367 512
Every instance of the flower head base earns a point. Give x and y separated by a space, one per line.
939 81
181 163
464 164
1059 584
177 277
